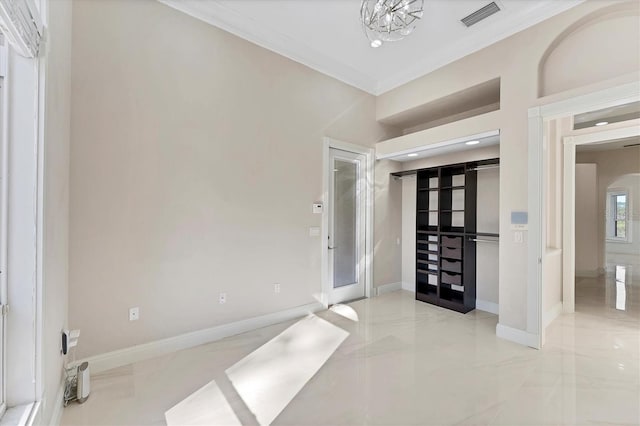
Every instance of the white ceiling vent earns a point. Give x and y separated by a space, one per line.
480 14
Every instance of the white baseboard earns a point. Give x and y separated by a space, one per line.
551 314
518 336
387 288
56 416
588 274
118 358
485 306
409 286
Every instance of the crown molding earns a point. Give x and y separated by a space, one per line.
229 20
474 43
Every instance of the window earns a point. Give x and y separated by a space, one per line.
618 216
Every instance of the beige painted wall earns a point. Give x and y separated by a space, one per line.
586 220
516 60
195 159
612 165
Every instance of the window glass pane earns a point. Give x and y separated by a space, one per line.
621 207
621 231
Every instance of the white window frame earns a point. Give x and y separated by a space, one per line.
610 224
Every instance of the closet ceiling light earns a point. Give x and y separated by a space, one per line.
472 142
413 154
602 123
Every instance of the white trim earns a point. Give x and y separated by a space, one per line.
535 249
491 307
600 99
552 314
408 286
328 143
388 288
220 15
56 415
157 348
517 336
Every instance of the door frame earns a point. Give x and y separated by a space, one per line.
612 132
600 99
369 182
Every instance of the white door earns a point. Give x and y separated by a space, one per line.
347 216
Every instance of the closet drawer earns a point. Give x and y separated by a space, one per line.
451 266
453 242
451 278
452 253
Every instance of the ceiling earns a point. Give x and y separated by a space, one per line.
625 143
326 35
448 147
611 115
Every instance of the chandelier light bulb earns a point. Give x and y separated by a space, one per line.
389 20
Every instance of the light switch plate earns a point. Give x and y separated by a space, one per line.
314 231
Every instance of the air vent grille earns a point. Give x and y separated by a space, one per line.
481 14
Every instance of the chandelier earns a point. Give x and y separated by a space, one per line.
389 20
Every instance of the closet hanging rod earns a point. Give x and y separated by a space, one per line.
479 240
495 166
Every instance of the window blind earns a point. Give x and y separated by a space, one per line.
21 24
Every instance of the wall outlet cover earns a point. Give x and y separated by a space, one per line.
134 314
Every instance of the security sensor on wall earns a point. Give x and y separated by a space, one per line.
69 340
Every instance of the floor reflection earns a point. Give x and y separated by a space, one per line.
621 292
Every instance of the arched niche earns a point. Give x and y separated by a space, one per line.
601 46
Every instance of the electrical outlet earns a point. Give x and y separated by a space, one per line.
134 314
518 237
276 288
223 298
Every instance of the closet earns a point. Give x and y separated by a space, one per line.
451 232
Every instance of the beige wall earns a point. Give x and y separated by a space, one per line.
387 265
586 220
195 159
516 60
612 165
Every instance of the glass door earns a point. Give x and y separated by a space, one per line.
346 225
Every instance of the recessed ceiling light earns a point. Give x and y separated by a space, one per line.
472 142
376 43
413 154
602 123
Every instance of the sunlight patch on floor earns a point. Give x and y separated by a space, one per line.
345 311
206 406
271 376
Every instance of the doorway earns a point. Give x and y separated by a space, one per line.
347 217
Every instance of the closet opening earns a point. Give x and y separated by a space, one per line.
451 222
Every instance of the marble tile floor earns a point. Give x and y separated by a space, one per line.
403 362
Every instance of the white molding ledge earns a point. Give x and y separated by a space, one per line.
517 336
388 288
551 314
157 348
483 305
